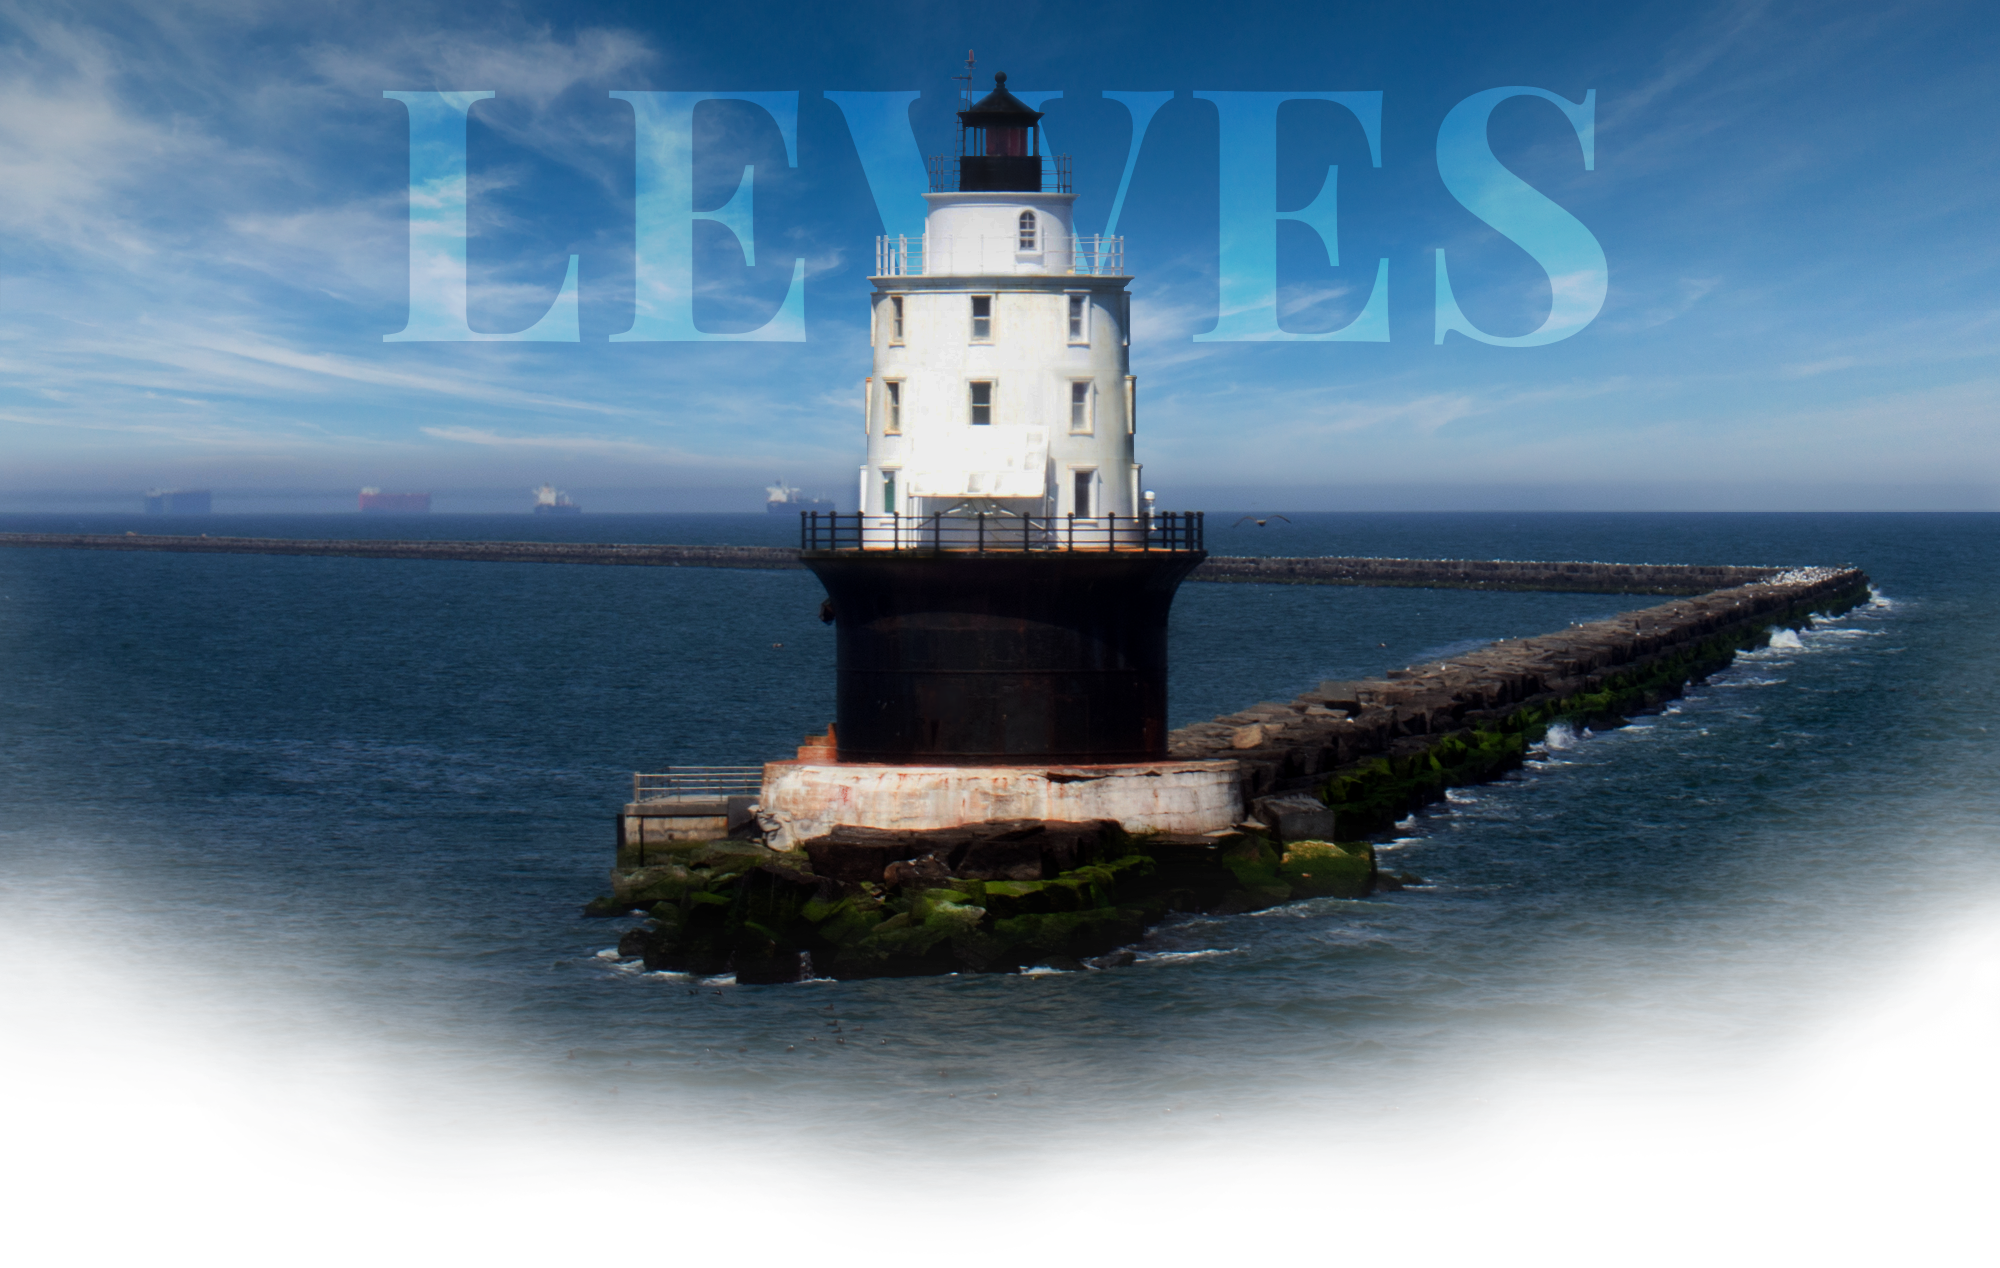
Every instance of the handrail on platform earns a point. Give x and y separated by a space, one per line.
678 783
985 532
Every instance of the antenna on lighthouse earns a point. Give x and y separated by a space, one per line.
964 96
965 93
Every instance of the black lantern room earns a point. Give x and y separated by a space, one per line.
1001 143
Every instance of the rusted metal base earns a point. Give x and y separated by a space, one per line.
996 659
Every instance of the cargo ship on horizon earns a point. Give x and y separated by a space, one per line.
549 500
783 499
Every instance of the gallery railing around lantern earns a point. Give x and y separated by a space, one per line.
901 255
946 172
1000 533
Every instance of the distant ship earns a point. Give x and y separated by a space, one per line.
783 499
380 503
549 500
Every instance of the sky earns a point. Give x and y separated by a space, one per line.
205 246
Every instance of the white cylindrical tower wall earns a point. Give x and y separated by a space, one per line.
994 306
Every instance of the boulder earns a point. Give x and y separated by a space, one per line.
927 872
1014 857
999 849
1321 869
863 854
1295 817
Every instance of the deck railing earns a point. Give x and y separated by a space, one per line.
686 783
901 255
999 533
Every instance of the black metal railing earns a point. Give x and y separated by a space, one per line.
994 533
947 175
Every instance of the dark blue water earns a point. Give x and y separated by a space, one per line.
358 803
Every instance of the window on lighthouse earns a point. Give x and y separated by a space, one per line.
1079 406
982 404
1078 331
982 317
892 407
889 491
895 319
1027 231
1081 482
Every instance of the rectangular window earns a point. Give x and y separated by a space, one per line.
982 404
1076 319
892 407
1079 406
889 491
982 316
1082 481
895 319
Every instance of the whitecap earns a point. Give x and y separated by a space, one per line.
1179 957
1786 638
1562 735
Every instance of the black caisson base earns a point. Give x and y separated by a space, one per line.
998 659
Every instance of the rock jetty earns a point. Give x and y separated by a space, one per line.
1373 751
1322 773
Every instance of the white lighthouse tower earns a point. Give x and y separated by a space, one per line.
1001 598
1002 381
1000 601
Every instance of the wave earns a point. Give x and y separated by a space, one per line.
1181 957
1561 736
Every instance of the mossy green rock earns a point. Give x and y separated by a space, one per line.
739 906
1322 869
1071 933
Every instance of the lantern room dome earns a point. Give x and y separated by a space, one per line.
999 108
1001 146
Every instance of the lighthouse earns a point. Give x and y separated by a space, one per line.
1000 599
1002 378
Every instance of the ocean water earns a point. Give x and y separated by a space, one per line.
316 833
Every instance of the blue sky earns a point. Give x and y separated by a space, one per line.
204 240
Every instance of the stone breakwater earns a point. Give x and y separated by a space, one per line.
1348 759
1483 574
1456 574
475 552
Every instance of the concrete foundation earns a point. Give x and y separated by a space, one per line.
802 800
644 823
